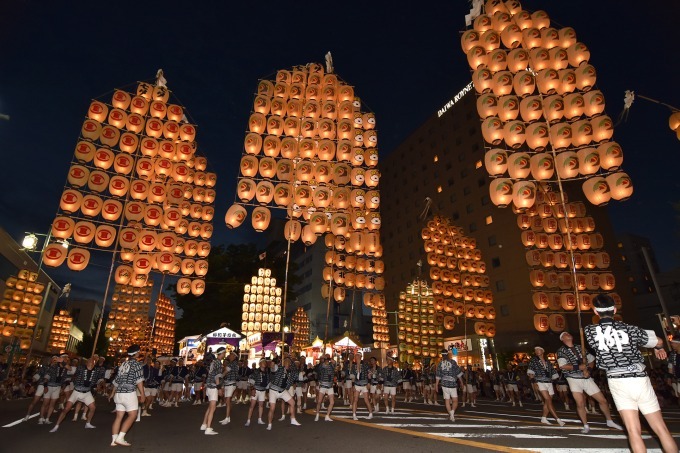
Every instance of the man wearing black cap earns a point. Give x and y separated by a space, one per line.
130 377
392 377
450 376
616 350
212 385
577 373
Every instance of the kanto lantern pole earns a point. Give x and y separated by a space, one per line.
106 295
662 301
285 299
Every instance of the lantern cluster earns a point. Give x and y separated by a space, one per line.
261 304
541 117
674 123
164 326
20 306
128 316
137 185
551 234
459 284
300 326
420 328
61 330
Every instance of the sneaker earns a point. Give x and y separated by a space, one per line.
269 427
114 444
210 432
545 421
304 406
354 417
54 430
260 422
299 410
283 418
560 422
204 427
294 422
145 414
586 429
520 404
47 422
472 404
566 407
328 418
316 419
436 403
370 416
452 418
248 423
89 426
513 404
612 424
75 418
225 421
122 442
463 404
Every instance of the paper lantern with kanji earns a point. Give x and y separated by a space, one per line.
77 259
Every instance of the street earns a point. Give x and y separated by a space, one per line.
491 426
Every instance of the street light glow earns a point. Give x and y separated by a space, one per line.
30 241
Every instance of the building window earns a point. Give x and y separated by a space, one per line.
463 173
620 245
453 198
466 191
469 209
495 262
489 220
439 189
481 182
478 165
436 158
461 156
455 216
485 200
449 166
451 182
492 240
505 311
500 285
473 227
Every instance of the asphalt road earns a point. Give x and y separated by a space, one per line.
491 426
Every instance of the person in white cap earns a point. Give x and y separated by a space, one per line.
450 376
212 386
130 377
570 361
392 377
259 380
616 347
541 369
55 374
325 371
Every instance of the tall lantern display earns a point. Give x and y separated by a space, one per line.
129 317
420 329
460 285
311 142
163 335
567 261
300 327
562 113
61 330
261 304
20 305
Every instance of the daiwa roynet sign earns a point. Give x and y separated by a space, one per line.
455 99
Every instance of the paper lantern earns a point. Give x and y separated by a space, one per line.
308 236
514 134
292 230
561 135
54 255
523 194
585 77
70 201
482 80
508 108
548 81
540 300
246 189
260 218
496 162
492 130
603 128
469 39
611 155
573 105
578 54
518 60
531 108
84 151
537 136
91 205
531 38
519 165
477 57
197 287
500 192
539 59
487 105
588 161
593 102
78 259
567 37
83 232
620 186
497 60
597 190
511 36
62 227
502 83
541 323
264 192
557 323
522 19
567 164
78 175
559 58
553 108
542 167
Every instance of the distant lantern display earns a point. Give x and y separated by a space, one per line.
300 328
420 327
20 305
310 150
163 335
262 299
520 65
61 330
568 264
129 314
137 186
460 286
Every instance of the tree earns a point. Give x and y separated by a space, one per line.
230 269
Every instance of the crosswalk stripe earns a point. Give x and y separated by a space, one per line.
497 435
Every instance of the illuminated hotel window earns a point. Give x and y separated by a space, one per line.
439 189
478 164
489 220
436 158
620 245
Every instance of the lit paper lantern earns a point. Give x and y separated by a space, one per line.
519 165
588 161
620 186
523 194
537 136
557 323
514 134
518 60
78 259
593 103
542 167
105 236
603 128
561 135
559 58
260 218
567 164
539 59
502 83
91 205
492 130
585 77
531 38
597 190
500 192
70 201
292 230
54 255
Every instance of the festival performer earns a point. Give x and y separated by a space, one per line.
498 388
230 375
242 386
180 375
541 369
259 381
212 388
450 376
392 377
100 388
359 370
281 381
471 383
577 373
85 378
375 383
616 347
325 372
130 377
54 375
511 380
562 387
67 383
152 380
199 375
348 383
407 382
40 382
300 387
311 380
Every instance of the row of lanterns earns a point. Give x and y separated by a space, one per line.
535 96
20 306
417 331
301 328
261 310
459 286
129 316
163 337
61 330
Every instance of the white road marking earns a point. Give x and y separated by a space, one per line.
497 435
21 420
587 450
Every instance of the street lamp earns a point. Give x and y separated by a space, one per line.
30 242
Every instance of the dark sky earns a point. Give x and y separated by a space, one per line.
404 58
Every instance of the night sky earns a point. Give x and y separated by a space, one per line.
404 59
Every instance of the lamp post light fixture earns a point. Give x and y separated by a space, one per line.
30 242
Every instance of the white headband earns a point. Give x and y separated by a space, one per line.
602 310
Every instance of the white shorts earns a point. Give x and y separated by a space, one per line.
40 391
275 395
83 397
167 386
634 393
388 390
471 388
298 391
583 385
150 391
427 387
675 386
406 385
126 402
52 393
546 387
496 387
348 384
512 388
212 394
70 387
259 395
373 389
326 391
177 387
242 385
450 392
361 389
562 387
198 386
229 390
